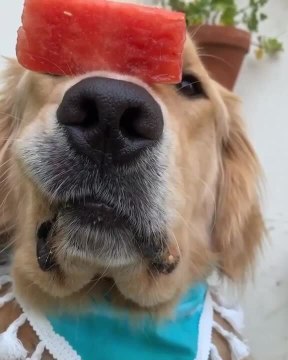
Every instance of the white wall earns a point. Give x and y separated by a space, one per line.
10 19
263 85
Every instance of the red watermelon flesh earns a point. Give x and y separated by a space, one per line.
77 36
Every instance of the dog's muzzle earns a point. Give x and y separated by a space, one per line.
104 166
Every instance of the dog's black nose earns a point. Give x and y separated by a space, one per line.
112 118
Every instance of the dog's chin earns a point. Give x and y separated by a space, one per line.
95 233
102 233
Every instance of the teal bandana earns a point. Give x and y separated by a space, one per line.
105 334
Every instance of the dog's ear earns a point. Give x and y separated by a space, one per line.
9 123
239 226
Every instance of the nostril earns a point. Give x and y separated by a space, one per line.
138 123
81 112
128 123
91 118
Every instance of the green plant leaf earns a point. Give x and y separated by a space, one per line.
252 21
228 16
227 12
263 17
177 5
271 46
263 2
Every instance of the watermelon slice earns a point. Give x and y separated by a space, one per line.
77 36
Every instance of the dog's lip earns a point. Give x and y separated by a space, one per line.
89 204
86 202
93 212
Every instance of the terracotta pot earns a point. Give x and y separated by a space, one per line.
222 50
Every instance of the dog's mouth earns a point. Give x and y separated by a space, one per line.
93 213
98 232
88 228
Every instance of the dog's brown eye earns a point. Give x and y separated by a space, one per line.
190 86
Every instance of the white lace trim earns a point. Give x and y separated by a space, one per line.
11 348
37 355
239 349
205 330
5 279
6 298
214 354
234 317
57 346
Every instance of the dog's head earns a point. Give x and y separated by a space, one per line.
152 186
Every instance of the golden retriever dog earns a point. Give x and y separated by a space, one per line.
142 189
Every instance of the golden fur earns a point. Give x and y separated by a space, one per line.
213 194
